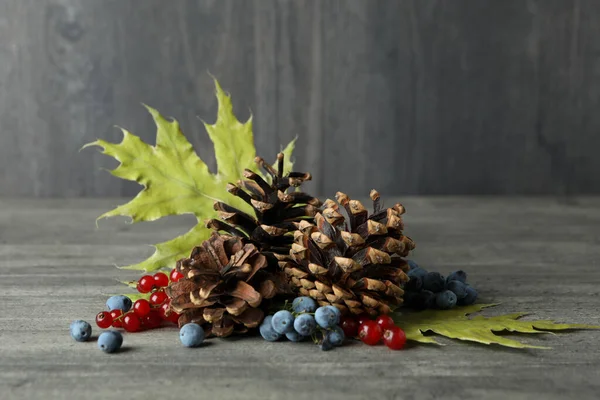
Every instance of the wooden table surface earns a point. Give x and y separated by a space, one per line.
535 255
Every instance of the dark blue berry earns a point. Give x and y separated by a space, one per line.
434 282
460 276
469 298
458 288
336 336
326 345
445 300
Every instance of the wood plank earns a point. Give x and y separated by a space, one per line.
416 97
530 254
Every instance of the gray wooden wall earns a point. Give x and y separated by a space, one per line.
415 96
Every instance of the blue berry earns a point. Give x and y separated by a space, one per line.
119 303
458 288
304 304
412 265
267 331
305 324
326 345
414 284
460 276
419 272
283 322
326 318
81 330
191 335
336 311
336 336
294 336
445 300
110 341
434 282
469 298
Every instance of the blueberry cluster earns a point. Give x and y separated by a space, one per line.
431 290
304 320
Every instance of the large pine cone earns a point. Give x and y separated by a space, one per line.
355 264
225 282
275 207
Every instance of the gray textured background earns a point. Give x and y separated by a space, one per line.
421 96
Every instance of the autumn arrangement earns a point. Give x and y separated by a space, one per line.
265 258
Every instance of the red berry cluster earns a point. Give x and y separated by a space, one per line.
372 331
144 314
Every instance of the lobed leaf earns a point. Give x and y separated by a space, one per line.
456 324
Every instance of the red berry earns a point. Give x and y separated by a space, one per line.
370 333
131 322
141 307
394 338
145 284
175 276
385 322
104 319
161 279
117 321
165 310
152 320
350 326
362 318
173 317
158 298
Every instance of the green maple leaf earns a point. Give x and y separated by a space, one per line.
176 181
456 324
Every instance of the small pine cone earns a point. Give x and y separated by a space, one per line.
352 263
224 285
276 208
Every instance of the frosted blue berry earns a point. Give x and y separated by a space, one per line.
336 336
326 317
266 330
434 281
191 335
283 322
336 311
81 330
326 345
412 265
457 276
110 341
304 304
119 303
294 336
458 288
445 300
305 324
469 298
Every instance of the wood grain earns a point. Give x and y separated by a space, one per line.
415 97
540 257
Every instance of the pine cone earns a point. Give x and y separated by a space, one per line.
225 282
275 209
354 264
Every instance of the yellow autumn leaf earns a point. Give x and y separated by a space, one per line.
176 181
456 324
